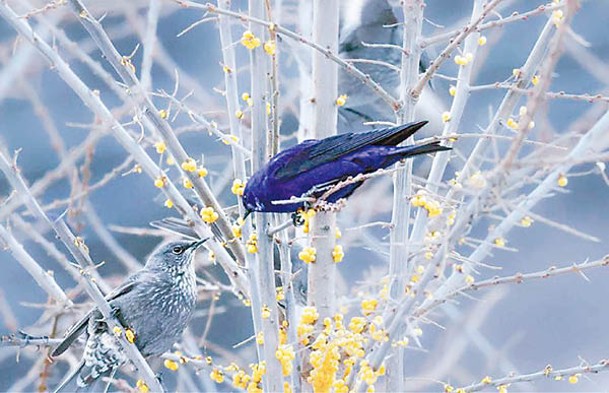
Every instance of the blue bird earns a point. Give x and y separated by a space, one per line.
312 167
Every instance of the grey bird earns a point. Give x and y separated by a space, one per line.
156 303
371 22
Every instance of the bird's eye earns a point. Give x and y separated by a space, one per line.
177 250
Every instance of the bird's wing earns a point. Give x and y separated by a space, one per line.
72 334
329 149
79 327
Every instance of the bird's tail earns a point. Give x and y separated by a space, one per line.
431 147
78 381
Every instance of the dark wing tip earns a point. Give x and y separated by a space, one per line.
440 147
415 126
399 134
61 348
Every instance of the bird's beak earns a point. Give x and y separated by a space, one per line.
198 243
247 213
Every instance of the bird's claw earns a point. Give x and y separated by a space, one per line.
26 338
116 313
317 189
298 219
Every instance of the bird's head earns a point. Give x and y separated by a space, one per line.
251 202
174 256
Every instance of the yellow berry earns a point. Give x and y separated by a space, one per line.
171 364
202 171
452 90
130 335
260 338
308 255
209 215
238 187
187 183
562 181
526 221
141 386
279 294
338 254
338 233
168 203
236 229
535 80
216 375
511 123
341 100
557 17
461 60
270 47
499 242
249 40
160 147
189 165
369 306
252 244
266 312
482 40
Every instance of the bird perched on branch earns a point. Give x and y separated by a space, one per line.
154 306
312 168
371 38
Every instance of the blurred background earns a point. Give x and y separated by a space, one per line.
515 328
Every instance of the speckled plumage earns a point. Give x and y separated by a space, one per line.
156 303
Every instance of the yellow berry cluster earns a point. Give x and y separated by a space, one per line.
209 215
189 165
249 40
238 187
421 199
338 254
270 47
252 243
337 349
464 60
308 254
307 216
285 354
